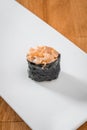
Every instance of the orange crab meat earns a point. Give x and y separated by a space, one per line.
42 55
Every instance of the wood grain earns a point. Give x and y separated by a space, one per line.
69 17
9 120
13 126
6 113
83 127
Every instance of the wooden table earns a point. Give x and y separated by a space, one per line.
9 120
69 18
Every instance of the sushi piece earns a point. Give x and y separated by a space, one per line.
43 63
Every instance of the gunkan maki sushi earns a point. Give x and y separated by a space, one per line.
43 63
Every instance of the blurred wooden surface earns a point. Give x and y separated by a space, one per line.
83 127
9 120
69 17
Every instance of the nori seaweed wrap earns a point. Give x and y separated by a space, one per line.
44 72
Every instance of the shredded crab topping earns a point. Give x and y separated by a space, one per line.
42 55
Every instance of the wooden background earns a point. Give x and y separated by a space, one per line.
9 120
69 17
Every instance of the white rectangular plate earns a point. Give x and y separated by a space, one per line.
57 105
